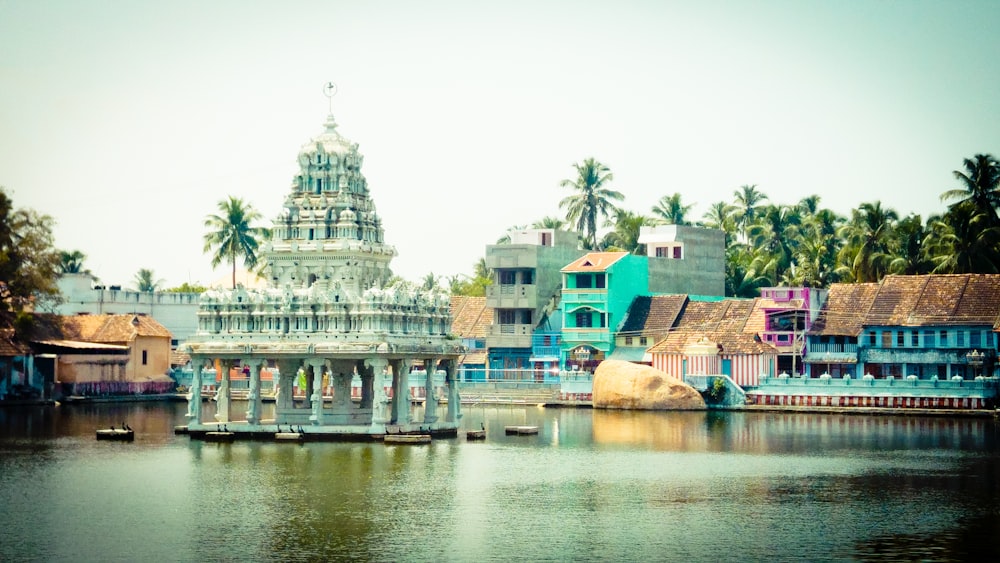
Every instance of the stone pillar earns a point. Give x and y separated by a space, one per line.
401 392
379 401
255 404
222 397
430 397
367 388
315 391
341 374
288 371
454 399
194 394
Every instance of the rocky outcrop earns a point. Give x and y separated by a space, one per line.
624 385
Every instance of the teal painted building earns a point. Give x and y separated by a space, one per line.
598 289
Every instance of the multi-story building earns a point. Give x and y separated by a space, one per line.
685 259
788 314
524 297
597 291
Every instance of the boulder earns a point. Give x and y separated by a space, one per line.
624 385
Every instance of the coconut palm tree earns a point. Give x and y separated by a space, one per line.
145 281
670 211
720 215
625 236
911 256
868 239
593 199
549 222
775 233
232 234
748 199
964 242
72 262
980 186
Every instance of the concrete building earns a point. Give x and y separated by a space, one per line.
685 260
524 296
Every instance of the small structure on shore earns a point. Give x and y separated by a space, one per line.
328 316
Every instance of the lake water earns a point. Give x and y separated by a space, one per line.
591 486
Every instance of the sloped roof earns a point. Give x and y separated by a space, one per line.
845 309
471 318
656 314
8 346
111 328
724 322
594 262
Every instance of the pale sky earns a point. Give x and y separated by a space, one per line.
127 121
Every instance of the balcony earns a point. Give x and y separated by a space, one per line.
512 296
833 348
584 296
592 336
509 336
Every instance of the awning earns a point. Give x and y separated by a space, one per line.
628 354
830 359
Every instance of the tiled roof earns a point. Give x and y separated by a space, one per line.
8 346
594 262
846 307
111 328
724 322
652 315
471 318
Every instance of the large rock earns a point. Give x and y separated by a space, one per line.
624 385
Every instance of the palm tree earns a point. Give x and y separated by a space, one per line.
868 237
748 199
981 186
430 282
670 211
593 199
72 262
549 222
720 215
232 234
625 235
145 281
775 234
911 257
964 242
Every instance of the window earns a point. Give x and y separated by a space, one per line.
871 338
975 339
961 338
900 339
507 277
144 357
604 320
914 338
505 316
989 339
944 338
319 185
583 319
526 316
583 281
677 252
546 239
929 339
661 251
887 339
628 340
600 281
642 340
528 277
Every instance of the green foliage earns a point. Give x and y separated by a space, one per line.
232 234
717 392
72 262
186 288
29 263
145 281
593 199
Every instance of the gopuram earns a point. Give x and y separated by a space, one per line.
329 314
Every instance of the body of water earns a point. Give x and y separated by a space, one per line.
591 486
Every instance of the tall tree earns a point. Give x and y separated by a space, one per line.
670 211
775 234
868 239
145 281
549 222
72 262
980 186
964 242
593 199
625 236
748 199
720 215
232 234
29 265
911 246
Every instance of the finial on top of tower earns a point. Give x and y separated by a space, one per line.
330 90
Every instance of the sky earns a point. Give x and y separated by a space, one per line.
128 121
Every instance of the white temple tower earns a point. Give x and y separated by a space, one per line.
327 311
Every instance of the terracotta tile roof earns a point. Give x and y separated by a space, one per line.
470 317
724 322
111 328
594 262
474 358
957 299
653 315
8 346
845 309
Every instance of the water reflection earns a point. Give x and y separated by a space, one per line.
592 485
